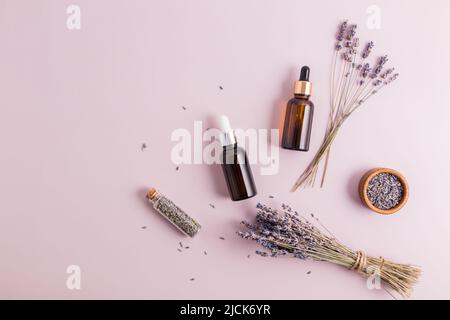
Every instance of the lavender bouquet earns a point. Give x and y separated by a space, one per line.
286 233
353 81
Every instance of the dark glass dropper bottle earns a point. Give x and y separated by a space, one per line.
299 115
235 166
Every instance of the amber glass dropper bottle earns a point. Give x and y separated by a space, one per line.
235 165
299 115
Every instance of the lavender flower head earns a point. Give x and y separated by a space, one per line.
377 70
386 73
367 50
365 70
284 233
347 56
340 36
393 78
351 32
342 30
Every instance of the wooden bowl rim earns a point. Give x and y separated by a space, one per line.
365 183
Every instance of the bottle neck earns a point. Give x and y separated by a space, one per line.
230 146
301 96
227 139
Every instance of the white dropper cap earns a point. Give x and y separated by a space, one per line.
225 124
227 136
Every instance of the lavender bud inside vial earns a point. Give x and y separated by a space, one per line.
173 213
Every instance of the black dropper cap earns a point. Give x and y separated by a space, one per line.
304 74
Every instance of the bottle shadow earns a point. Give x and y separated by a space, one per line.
279 104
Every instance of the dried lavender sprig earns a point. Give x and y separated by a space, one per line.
352 84
285 233
346 82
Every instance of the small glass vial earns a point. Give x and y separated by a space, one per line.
173 213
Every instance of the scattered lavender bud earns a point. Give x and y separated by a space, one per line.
183 107
212 206
222 238
143 147
191 279
261 253
205 253
179 250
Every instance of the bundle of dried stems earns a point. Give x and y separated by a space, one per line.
286 232
352 82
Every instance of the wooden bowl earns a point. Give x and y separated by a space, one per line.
364 183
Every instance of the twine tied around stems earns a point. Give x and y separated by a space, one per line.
360 263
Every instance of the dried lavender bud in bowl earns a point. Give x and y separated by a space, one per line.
384 190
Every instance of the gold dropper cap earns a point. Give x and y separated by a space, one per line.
303 86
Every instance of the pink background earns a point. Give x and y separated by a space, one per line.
76 107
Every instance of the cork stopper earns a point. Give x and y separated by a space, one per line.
151 194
